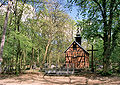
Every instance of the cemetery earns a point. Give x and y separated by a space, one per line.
59 42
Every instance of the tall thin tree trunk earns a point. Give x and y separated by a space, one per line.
4 32
38 58
49 56
46 51
24 59
17 28
32 58
58 60
17 58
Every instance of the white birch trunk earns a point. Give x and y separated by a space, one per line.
4 32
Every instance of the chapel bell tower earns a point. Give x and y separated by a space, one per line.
78 36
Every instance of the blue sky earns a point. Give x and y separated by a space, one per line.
73 13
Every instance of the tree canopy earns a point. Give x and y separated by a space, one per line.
100 19
37 32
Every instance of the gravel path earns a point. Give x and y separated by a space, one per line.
38 79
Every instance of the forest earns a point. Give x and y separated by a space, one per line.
35 32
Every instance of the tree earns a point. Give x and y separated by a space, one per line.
27 37
53 25
18 42
4 31
115 56
100 15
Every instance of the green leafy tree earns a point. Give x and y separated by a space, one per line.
100 17
53 26
4 32
28 34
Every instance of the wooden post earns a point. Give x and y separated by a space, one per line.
92 58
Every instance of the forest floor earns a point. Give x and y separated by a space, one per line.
37 78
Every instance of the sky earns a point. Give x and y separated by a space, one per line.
73 13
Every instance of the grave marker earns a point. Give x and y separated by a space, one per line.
92 62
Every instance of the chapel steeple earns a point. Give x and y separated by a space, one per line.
78 36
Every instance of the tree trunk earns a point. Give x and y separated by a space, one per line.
49 54
32 59
17 25
105 59
4 32
46 51
119 67
58 59
38 58
24 59
107 37
17 58
20 16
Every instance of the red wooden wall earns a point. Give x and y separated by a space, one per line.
78 56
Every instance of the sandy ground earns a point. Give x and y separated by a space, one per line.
39 79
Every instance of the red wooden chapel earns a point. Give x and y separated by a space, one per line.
76 54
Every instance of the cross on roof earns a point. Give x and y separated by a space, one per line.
92 68
78 30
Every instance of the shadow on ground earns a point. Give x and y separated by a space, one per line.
39 79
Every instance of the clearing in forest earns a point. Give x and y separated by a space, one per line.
40 79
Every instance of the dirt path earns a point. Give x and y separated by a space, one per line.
38 79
